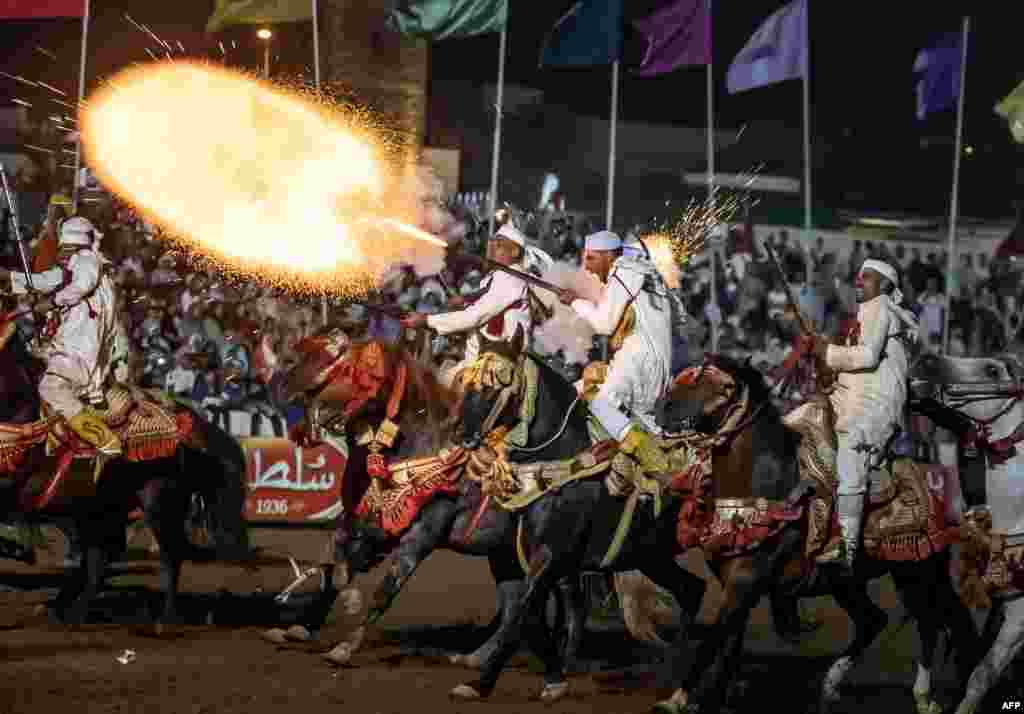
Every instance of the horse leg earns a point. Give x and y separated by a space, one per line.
165 509
1008 643
94 563
511 585
868 621
575 606
541 579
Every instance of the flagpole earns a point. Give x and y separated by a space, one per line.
81 99
613 129
954 199
711 185
499 104
807 146
316 79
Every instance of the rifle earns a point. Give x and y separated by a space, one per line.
824 376
16 226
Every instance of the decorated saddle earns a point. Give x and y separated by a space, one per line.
149 424
905 516
991 562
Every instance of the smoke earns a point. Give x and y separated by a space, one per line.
566 330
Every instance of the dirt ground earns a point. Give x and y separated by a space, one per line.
225 667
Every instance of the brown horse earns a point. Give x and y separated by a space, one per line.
777 564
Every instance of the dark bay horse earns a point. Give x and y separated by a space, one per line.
361 391
210 464
569 531
778 565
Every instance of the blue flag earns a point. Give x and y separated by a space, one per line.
777 51
591 33
939 66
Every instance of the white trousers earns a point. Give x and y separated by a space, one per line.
851 464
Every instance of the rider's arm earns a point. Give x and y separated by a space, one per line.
604 317
504 290
874 326
85 275
45 282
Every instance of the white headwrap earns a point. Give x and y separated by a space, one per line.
602 240
533 257
889 272
77 231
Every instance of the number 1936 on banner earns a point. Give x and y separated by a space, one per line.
291 484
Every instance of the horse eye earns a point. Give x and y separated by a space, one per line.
993 372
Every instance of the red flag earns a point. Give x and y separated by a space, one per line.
38 9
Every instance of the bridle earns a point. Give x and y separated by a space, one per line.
739 393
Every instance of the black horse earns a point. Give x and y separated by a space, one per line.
778 567
569 531
459 521
211 464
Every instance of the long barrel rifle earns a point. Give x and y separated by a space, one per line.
16 225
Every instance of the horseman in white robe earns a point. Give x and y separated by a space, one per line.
503 305
82 340
640 314
871 390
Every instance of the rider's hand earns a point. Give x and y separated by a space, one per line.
414 320
566 296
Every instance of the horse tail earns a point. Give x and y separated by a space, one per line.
220 479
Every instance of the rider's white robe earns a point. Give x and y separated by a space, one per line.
641 371
871 389
503 307
79 356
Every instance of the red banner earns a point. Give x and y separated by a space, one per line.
290 484
39 9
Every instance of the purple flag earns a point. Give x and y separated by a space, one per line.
675 35
777 51
939 86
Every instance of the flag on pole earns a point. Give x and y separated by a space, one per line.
675 35
775 53
39 9
444 19
258 12
939 65
1012 110
591 33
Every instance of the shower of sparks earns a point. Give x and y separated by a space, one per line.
22 102
222 50
52 89
38 148
19 79
270 183
46 52
181 47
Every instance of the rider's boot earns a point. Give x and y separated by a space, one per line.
643 447
850 513
94 431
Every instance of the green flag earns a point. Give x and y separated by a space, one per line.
258 12
443 19
1012 110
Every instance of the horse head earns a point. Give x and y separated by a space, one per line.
491 386
702 395
20 371
982 388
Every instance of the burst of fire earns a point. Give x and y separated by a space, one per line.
256 178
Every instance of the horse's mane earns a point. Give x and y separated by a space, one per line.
427 405
743 371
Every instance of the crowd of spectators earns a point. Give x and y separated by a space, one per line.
218 342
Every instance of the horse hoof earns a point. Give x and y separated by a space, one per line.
678 703
298 633
466 693
351 601
469 661
340 655
551 693
275 636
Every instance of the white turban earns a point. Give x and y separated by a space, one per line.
882 268
533 257
77 231
634 249
602 240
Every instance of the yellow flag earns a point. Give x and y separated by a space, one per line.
258 12
1012 110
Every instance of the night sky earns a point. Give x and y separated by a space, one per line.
862 90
